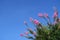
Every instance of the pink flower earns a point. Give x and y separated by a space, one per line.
21 35
36 22
26 33
25 22
31 19
55 14
40 15
46 15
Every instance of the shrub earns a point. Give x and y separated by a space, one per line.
51 31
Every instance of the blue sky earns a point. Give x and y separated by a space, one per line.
14 12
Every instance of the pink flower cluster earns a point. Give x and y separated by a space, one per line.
41 15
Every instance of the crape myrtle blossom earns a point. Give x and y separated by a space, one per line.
36 22
51 31
43 15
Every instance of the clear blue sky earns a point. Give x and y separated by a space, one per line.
14 12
